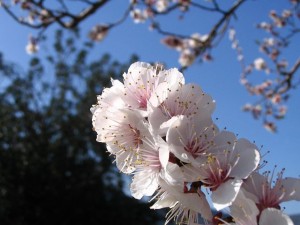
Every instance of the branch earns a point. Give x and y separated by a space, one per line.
215 9
22 22
59 15
86 13
123 18
225 17
289 77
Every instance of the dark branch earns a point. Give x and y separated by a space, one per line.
86 13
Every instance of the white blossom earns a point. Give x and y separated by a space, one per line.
168 102
187 57
142 80
260 64
226 164
138 16
190 138
162 5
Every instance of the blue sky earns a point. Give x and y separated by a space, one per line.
219 78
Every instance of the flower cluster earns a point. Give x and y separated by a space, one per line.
159 129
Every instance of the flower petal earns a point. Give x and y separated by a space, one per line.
272 216
189 138
224 140
248 159
196 202
291 189
226 193
163 151
144 183
253 186
244 210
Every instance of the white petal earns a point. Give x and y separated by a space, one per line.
196 202
164 127
172 101
272 216
164 152
192 173
248 159
291 189
184 131
159 95
111 97
172 175
168 201
113 149
253 186
123 161
174 77
193 201
169 197
224 140
226 193
244 210
144 183
196 101
139 66
177 137
156 118
209 103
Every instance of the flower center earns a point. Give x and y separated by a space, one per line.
137 141
217 173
